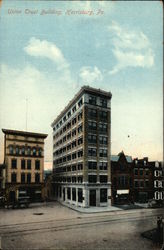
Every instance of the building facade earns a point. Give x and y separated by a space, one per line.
2 179
122 179
24 161
82 148
143 178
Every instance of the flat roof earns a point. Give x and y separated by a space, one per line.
23 133
84 89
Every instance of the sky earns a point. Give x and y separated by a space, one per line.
50 49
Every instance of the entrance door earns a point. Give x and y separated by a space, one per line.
92 197
12 196
63 194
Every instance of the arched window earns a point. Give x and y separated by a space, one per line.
34 151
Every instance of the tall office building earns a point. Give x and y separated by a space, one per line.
82 149
24 163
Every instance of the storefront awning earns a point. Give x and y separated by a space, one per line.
123 191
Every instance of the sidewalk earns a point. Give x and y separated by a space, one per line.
91 209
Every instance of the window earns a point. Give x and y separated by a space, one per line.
92 125
92 138
103 103
68 193
74 132
74 144
74 121
23 151
80 102
80 116
80 153
37 178
103 195
80 141
11 150
146 183
40 152
103 178
68 135
23 164
74 109
92 165
103 165
13 163
73 156
146 171
80 166
80 179
141 184
68 146
103 140
13 178
17 150
80 129
28 164
92 100
141 171
22 178
37 164
102 127
74 194
69 114
68 157
80 195
28 178
103 153
92 178
74 168
28 151
136 171
92 113
34 151
103 115
92 152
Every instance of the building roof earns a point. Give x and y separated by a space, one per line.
115 158
84 89
24 133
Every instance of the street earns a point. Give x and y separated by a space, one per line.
54 226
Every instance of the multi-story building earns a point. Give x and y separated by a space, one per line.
122 179
82 148
24 162
143 180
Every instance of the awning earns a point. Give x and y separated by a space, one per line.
123 191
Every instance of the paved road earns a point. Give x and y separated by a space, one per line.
112 230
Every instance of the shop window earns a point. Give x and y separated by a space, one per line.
68 193
80 195
74 194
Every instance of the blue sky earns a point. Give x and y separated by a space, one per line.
47 58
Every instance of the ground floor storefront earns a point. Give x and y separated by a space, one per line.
33 191
84 195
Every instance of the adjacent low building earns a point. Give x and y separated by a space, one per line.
2 179
82 148
24 163
122 179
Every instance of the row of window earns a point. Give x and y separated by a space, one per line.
25 164
25 178
93 152
79 194
69 135
122 181
159 173
68 125
141 183
92 139
69 168
79 179
95 114
141 171
69 146
69 157
93 101
92 125
21 150
159 195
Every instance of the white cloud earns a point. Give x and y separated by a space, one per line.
131 48
38 48
90 75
